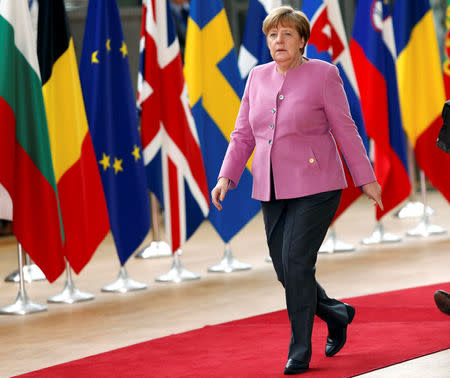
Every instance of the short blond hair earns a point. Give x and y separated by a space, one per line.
288 16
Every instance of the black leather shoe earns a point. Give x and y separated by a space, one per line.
337 336
442 299
294 367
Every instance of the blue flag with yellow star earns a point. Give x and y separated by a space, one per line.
113 124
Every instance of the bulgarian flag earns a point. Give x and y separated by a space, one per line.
28 192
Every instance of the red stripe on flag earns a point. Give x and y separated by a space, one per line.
83 208
432 160
35 207
174 205
390 172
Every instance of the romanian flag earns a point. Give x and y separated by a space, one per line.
28 191
83 206
215 89
446 66
421 88
373 53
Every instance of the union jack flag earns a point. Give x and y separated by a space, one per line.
172 154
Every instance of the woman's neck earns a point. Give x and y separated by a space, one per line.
283 67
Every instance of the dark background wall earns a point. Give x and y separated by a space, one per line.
130 12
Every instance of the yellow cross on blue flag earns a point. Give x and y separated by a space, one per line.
215 89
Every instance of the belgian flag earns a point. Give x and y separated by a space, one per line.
82 200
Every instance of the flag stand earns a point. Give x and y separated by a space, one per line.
412 208
70 293
157 248
177 273
379 236
22 305
333 244
31 272
424 228
228 263
124 283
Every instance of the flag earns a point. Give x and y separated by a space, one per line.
328 42
215 90
172 155
83 205
446 65
28 193
373 52
113 125
254 50
421 88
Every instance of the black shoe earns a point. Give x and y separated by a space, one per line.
337 336
294 367
442 299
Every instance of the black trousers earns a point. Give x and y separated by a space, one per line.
295 229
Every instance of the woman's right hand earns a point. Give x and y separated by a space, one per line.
219 192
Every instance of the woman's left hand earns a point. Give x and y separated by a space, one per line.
373 191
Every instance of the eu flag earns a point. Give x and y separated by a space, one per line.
113 123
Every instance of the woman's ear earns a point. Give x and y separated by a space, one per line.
302 43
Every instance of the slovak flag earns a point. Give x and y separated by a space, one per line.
328 42
373 51
172 154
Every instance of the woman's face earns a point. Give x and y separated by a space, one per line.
284 44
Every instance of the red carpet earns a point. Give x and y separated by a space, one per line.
388 328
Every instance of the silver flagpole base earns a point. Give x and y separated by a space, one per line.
412 210
155 249
22 306
379 236
424 228
70 293
333 244
124 283
30 273
268 259
228 263
177 273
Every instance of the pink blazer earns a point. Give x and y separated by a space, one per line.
294 121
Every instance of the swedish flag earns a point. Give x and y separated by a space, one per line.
113 123
215 89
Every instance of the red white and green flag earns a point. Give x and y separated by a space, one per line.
28 193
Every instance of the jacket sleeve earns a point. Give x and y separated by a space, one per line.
242 142
344 129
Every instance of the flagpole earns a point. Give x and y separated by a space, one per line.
22 305
425 228
379 236
157 247
124 283
177 273
228 263
333 244
412 208
31 272
70 294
